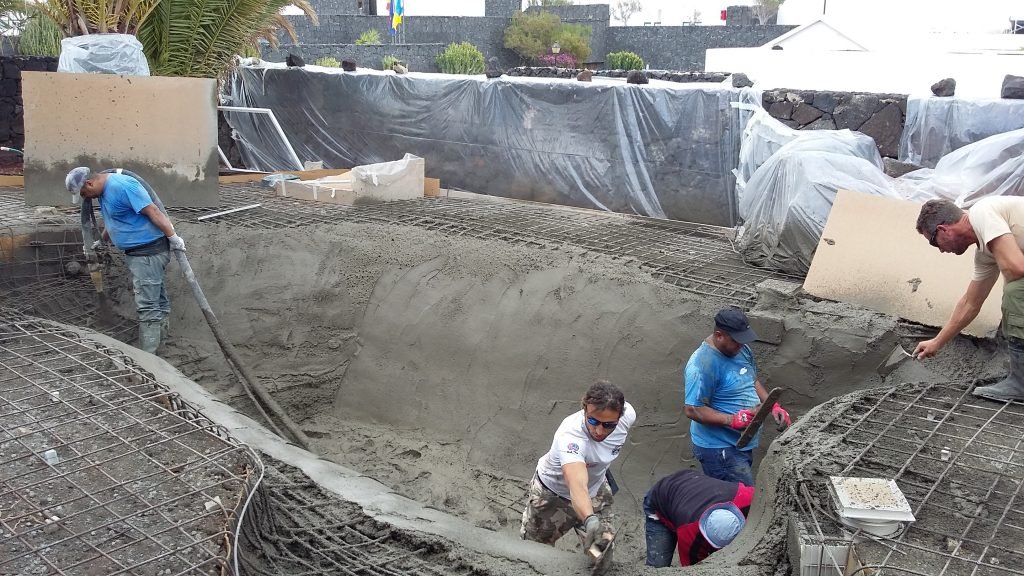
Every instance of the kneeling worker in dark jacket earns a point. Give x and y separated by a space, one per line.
696 513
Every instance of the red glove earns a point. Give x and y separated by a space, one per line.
741 419
781 416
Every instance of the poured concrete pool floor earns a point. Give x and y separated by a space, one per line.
436 344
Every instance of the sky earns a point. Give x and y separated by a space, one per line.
959 15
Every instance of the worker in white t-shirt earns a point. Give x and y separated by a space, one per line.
996 226
570 489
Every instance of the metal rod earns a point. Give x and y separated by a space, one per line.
231 211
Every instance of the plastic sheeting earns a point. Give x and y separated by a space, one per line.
937 126
788 199
103 54
663 149
763 136
992 167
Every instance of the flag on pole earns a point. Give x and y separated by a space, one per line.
396 10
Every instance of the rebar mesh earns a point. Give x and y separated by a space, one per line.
102 470
293 527
693 257
958 459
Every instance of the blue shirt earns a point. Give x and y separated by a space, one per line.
723 384
122 199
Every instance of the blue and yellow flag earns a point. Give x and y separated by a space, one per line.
396 9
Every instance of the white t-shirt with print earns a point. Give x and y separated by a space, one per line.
992 218
573 443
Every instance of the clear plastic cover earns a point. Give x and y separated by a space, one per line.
103 54
663 149
992 167
937 126
788 199
764 136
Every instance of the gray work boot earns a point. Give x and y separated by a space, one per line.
149 336
1012 387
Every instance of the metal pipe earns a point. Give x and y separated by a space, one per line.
273 120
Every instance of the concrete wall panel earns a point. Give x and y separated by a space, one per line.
164 129
870 254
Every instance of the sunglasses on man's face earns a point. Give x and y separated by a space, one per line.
606 425
934 238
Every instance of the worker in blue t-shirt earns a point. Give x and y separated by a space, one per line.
722 395
134 223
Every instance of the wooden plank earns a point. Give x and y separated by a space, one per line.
17 181
870 254
431 187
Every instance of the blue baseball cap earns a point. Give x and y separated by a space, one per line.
721 523
734 322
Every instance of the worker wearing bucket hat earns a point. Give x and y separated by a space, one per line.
695 513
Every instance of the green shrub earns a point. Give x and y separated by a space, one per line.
371 36
532 35
575 39
328 62
388 62
41 36
462 58
625 61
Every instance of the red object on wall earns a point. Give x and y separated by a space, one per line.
724 12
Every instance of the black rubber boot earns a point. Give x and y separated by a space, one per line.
1011 388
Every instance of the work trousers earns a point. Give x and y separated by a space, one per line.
661 540
548 516
729 464
148 284
1013 310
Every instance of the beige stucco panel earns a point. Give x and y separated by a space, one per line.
870 254
164 129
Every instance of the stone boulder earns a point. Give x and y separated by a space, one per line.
493 69
348 65
294 61
944 88
585 76
740 80
1013 87
636 77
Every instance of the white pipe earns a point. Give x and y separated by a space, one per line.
231 211
273 120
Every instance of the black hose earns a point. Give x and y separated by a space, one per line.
257 393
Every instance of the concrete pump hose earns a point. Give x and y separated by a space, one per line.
262 398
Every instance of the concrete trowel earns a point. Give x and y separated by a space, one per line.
896 358
600 553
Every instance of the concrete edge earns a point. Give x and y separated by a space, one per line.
377 500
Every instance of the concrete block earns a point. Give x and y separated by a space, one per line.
780 288
770 328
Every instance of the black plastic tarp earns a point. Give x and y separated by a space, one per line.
664 150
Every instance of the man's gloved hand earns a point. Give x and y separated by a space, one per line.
781 416
176 243
591 530
741 419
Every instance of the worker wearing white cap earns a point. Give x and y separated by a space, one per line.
134 223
